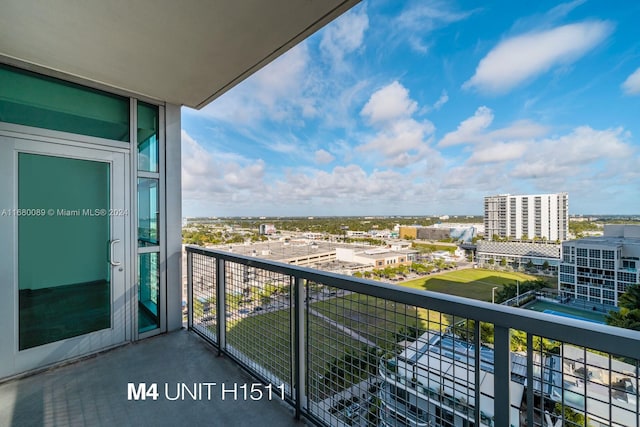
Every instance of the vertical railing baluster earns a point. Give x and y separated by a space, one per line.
299 344
190 290
502 376
530 379
477 366
221 308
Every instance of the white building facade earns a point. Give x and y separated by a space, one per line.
542 216
600 269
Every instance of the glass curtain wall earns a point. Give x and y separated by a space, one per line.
32 99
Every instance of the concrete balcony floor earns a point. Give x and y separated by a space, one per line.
93 391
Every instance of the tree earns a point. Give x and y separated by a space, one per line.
569 416
510 290
503 262
629 315
545 265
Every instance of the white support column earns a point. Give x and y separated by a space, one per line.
173 223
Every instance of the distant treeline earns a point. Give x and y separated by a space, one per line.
333 225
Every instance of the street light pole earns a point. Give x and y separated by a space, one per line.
493 294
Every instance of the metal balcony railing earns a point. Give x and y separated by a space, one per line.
348 351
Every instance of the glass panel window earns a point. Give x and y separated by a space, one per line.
31 99
148 291
63 273
147 137
148 212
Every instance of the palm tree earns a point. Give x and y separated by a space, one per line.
629 315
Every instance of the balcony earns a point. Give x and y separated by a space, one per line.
331 350
349 351
94 391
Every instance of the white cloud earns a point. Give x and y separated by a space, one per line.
278 92
498 152
400 139
523 157
474 130
283 76
401 143
342 184
469 130
283 147
345 35
418 20
563 9
519 59
444 98
207 175
389 103
425 16
521 129
418 45
323 157
575 154
631 85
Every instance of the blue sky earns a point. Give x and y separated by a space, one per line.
424 107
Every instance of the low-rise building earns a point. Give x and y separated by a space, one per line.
377 257
518 254
441 231
600 269
432 382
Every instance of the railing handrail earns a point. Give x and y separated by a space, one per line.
618 341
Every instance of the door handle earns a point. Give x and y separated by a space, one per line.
111 246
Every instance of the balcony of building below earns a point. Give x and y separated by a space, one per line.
162 381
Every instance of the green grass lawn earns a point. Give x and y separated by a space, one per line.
379 320
266 340
473 283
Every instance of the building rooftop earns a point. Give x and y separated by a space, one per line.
282 251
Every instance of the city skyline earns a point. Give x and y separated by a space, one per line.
424 108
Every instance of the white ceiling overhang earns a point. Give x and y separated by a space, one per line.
185 52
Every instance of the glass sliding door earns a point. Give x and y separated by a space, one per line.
64 275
